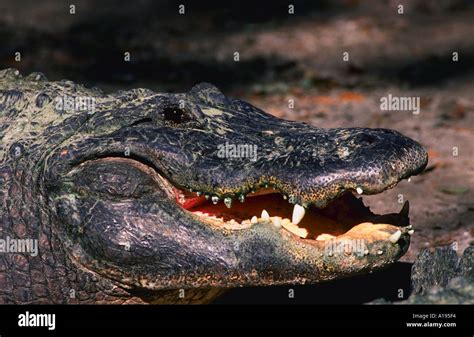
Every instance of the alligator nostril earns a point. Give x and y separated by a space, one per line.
365 138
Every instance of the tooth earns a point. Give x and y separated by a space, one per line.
359 190
324 237
301 232
265 215
411 231
284 197
215 199
405 209
241 198
379 252
199 193
254 220
266 185
298 214
285 221
207 196
276 221
228 202
234 225
395 236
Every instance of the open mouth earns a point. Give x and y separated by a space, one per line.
344 215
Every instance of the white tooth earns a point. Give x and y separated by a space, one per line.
254 220
395 236
379 252
359 190
298 214
234 225
301 232
324 237
411 231
276 221
265 215
228 202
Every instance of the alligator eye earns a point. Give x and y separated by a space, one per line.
114 177
174 115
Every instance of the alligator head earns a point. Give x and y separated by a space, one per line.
148 193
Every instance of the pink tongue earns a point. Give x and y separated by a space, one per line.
191 202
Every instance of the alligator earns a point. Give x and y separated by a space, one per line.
144 197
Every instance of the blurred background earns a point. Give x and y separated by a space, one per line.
286 56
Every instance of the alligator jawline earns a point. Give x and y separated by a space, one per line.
345 216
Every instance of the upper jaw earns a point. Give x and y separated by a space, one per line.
308 165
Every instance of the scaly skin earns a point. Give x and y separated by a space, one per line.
94 188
